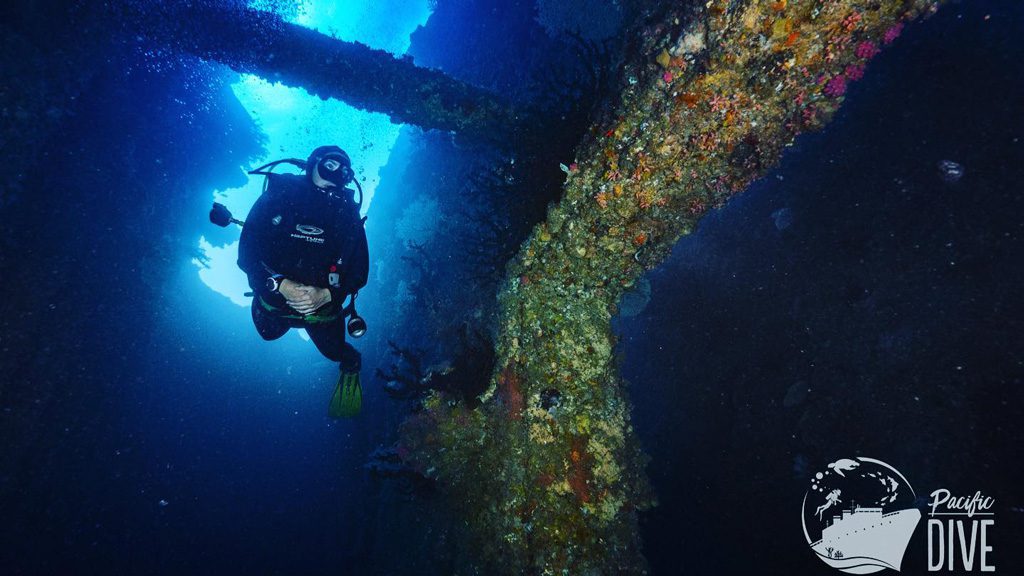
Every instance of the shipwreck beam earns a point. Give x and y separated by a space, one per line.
261 43
717 93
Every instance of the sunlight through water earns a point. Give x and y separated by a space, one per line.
296 122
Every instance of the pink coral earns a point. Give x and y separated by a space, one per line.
851 21
696 206
718 102
854 72
810 115
866 50
893 33
836 87
667 77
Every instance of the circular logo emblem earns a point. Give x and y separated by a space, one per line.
310 230
859 515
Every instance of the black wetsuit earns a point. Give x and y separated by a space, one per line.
313 238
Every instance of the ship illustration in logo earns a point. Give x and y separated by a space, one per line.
860 539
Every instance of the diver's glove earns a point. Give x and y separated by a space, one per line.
347 400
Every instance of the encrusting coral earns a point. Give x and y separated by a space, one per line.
719 92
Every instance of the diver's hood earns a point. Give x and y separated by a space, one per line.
332 164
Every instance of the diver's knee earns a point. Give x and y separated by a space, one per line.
269 335
332 356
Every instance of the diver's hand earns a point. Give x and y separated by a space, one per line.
310 299
299 297
291 290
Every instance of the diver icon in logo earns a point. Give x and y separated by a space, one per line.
859 515
831 500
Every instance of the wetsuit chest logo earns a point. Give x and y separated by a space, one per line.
308 233
310 230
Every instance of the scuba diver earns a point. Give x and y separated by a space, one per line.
303 248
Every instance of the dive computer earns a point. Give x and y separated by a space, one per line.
274 283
